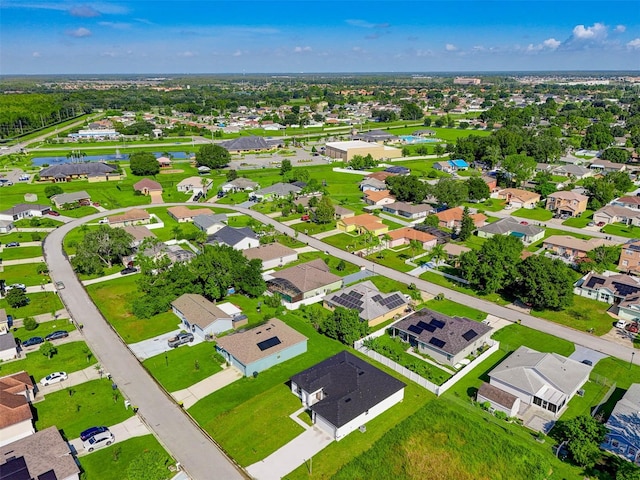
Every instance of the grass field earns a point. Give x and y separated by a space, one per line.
184 366
629 231
17 253
583 315
537 213
580 222
345 241
454 309
71 357
105 464
513 336
77 408
39 303
45 328
26 273
393 259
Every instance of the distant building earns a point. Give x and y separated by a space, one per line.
135 216
630 257
246 144
466 81
80 198
272 255
277 190
347 150
210 223
93 171
184 214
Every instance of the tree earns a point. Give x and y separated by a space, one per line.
467 226
51 190
212 156
438 150
411 111
16 298
432 220
148 465
29 324
544 185
600 259
407 188
451 192
598 136
438 254
48 349
544 283
618 155
477 189
102 247
344 325
520 167
583 435
232 175
325 211
285 167
143 164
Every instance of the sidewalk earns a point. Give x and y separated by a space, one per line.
21 261
189 396
329 233
131 427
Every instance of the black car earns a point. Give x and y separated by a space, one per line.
32 341
57 335
128 270
13 244
90 432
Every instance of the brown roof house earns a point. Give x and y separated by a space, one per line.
572 247
260 348
203 318
362 223
135 216
272 255
146 186
404 236
452 218
307 281
139 234
378 197
184 214
16 392
517 198
630 257
567 203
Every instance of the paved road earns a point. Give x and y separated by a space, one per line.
190 446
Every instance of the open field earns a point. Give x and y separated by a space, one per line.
71 357
45 302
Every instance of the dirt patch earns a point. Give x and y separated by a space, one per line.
619 336
172 170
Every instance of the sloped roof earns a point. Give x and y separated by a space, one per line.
522 195
232 236
63 198
568 195
377 195
281 189
306 276
625 417
25 207
411 234
574 243
350 385
270 251
365 220
147 183
182 211
508 225
245 143
198 310
209 219
496 395
370 302
139 232
135 214
409 208
68 169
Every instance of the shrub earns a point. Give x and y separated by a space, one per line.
30 324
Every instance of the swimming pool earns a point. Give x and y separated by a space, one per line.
415 139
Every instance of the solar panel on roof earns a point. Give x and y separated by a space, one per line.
376 298
437 323
414 329
423 325
15 469
268 343
436 342
430 328
594 281
469 334
50 475
358 295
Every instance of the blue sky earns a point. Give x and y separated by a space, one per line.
235 36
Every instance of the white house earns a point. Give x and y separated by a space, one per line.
195 185
201 317
272 255
210 223
237 238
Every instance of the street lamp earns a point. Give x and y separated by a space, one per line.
631 362
166 359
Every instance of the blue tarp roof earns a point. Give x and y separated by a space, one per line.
458 163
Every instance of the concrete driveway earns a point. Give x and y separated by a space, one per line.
158 345
131 427
74 378
583 353
189 396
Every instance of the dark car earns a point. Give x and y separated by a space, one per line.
32 341
53 213
13 244
90 432
128 270
588 362
180 339
57 335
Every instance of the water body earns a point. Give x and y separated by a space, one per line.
116 157
414 139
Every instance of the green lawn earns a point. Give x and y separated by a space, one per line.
622 230
583 315
71 357
311 228
580 222
79 212
333 263
114 298
45 302
537 213
21 237
111 463
445 282
75 409
184 366
18 253
344 241
394 259
454 309
489 205
45 328
26 273
513 336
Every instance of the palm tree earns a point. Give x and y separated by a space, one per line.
438 254
386 238
415 246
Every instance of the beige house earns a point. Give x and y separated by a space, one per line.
630 257
362 223
272 255
572 247
517 198
567 203
452 218
404 236
617 213
184 214
303 281
16 419
378 197
195 185
135 216
146 186
347 150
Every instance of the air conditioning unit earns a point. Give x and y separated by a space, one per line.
580 393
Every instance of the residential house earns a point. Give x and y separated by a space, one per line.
408 210
398 170
183 214
277 190
237 238
577 172
623 437
492 182
239 184
79 198
361 224
272 255
567 203
195 185
146 186
452 218
8 349
572 247
4 322
606 166
16 419
451 166
135 216
458 164
210 223
6 226
543 380
246 144
304 281
45 455
203 318
621 291
378 197
260 348
517 198
164 162
616 213
344 392
65 172
342 212
405 235
139 234
510 226
174 253
630 257
454 251
445 339
375 181
24 210
499 400
374 307
632 202
347 150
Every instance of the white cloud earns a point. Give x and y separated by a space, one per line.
634 44
79 32
366 24
424 53
450 47
83 11
597 31
237 53
551 43
188 54
620 29
36 55
116 25
302 49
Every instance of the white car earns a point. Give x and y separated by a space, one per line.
99 440
52 378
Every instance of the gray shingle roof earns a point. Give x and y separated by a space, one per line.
625 418
508 225
25 207
206 221
367 299
351 386
231 236
305 277
86 168
72 197
245 143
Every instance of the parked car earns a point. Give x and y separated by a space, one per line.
52 378
590 224
601 224
524 223
103 220
59 285
180 339
19 286
99 440
128 270
13 244
32 341
56 335
90 432
632 327
588 362
53 213
304 218
96 204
